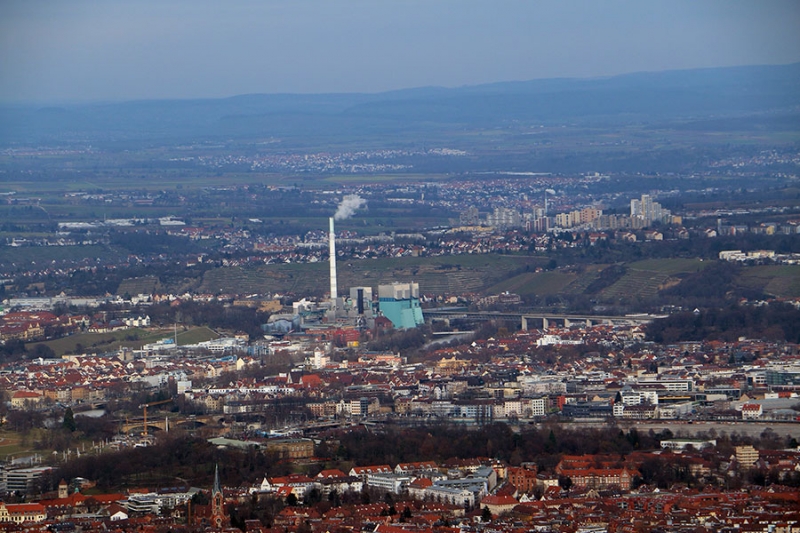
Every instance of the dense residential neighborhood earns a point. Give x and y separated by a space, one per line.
579 373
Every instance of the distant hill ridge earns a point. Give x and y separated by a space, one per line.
698 93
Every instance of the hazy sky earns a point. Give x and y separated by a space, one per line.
74 50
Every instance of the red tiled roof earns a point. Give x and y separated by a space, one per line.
332 473
20 508
493 499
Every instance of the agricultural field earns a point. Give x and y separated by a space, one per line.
22 256
195 335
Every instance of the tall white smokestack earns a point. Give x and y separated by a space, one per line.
347 208
332 260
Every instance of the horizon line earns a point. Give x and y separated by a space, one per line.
77 103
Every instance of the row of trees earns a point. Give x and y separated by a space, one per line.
215 315
497 440
174 456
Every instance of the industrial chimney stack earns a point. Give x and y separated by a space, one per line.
332 247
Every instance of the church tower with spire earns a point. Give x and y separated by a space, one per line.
217 501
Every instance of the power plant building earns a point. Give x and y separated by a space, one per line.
361 301
399 302
359 307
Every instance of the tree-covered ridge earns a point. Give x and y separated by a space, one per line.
776 321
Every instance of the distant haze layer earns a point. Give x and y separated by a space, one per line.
87 50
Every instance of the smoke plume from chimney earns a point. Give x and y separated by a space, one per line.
348 207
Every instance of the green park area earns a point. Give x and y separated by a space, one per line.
12 444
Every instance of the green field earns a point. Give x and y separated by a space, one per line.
130 338
777 280
669 266
11 445
373 178
195 335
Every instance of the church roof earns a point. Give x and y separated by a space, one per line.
217 489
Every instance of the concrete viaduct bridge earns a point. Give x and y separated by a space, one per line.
541 320
161 423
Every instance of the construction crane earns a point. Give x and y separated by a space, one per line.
151 404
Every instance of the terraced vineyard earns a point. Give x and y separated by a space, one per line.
586 278
144 285
636 283
267 278
483 274
536 283
644 279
